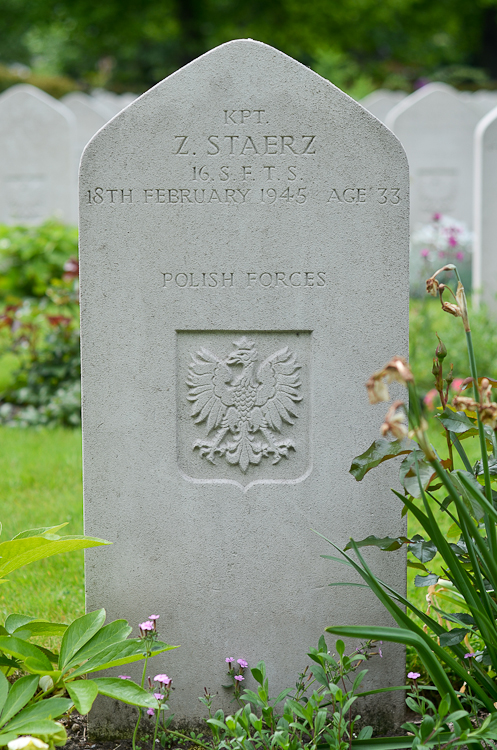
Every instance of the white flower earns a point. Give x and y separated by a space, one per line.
27 743
46 683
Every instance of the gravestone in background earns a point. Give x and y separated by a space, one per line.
37 153
485 206
90 116
436 129
480 101
244 269
380 102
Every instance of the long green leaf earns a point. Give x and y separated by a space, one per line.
118 654
22 650
83 693
4 690
114 632
39 726
41 531
19 694
379 451
78 633
125 691
51 708
21 552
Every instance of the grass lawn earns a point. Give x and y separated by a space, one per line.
41 485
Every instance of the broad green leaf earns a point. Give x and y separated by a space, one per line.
453 637
386 543
19 694
381 450
407 473
83 693
114 632
22 651
13 622
10 663
119 654
430 580
455 421
422 549
21 552
78 633
42 627
39 727
51 708
4 690
52 530
125 691
6 737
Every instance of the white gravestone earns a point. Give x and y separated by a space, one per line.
436 129
380 102
242 226
37 152
90 117
485 207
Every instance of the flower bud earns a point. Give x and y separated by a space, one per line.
46 683
435 370
450 375
441 350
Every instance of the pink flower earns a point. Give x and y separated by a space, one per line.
153 617
468 656
124 677
413 675
163 679
243 664
229 660
147 625
158 696
239 677
150 711
430 398
437 217
452 241
459 255
456 384
425 252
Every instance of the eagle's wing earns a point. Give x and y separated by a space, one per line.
278 390
209 392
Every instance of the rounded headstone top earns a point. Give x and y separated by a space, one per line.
444 100
24 91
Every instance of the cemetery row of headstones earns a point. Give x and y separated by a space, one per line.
448 137
41 142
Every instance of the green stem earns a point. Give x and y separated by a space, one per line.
156 727
190 739
144 670
489 525
136 728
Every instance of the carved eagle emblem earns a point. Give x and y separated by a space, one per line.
244 405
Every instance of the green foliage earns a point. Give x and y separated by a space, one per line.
465 596
32 256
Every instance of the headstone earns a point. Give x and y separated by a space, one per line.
242 224
436 129
109 100
485 207
37 153
380 102
90 117
480 101
127 98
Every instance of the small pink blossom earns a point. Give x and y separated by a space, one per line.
163 679
158 696
413 675
229 660
153 617
124 677
430 398
468 656
457 384
459 255
150 711
242 663
425 252
437 216
147 625
452 241
239 677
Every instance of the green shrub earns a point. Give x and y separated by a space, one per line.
32 256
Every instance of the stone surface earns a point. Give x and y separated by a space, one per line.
37 154
485 253
380 102
436 129
244 253
480 101
90 116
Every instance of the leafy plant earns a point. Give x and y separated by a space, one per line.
469 587
36 544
